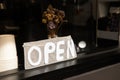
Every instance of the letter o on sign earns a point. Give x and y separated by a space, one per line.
39 57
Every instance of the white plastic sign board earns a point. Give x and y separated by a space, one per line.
49 51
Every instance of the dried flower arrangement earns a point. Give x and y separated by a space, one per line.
53 15
53 18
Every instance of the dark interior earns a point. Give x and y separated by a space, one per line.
23 19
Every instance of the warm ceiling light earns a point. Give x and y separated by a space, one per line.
2 5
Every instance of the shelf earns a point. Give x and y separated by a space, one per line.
107 35
66 69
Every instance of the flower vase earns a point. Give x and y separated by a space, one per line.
52 34
52 30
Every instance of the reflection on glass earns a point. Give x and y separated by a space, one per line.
108 23
2 5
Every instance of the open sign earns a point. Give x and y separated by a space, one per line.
45 52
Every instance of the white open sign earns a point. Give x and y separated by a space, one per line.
44 52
